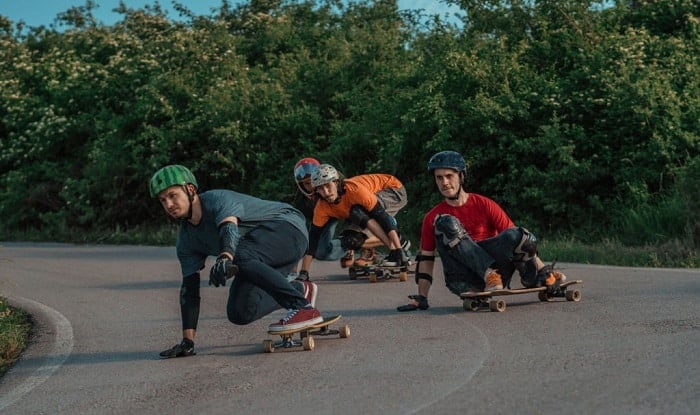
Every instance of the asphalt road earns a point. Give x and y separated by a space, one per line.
632 345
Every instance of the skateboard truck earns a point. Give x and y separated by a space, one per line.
306 340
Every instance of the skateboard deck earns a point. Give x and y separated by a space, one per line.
484 300
306 340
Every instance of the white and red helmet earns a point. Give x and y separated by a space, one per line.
303 169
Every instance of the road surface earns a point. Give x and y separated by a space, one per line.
632 345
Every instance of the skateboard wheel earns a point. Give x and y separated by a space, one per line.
543 296
268 346
308 343
373 277
573 295
403 276
470 305
344 332
497 305
353 273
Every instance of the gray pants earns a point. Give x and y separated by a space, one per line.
264 257
465 261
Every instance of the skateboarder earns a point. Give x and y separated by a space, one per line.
479 245
255 241
367 203
329 249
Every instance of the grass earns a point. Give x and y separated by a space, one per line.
15 327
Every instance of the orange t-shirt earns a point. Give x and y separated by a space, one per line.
359 190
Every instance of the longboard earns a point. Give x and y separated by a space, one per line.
484 300
306 341
375 272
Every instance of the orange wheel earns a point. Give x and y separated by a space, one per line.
403 276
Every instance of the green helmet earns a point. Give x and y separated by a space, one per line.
171 176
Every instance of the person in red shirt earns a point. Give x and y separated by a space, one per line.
479 245
367 203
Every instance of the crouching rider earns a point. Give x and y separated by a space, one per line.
479 245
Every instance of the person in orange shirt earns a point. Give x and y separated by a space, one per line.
368 204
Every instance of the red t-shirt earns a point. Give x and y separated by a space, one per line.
359 190
481 217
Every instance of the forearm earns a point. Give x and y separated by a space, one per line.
306 262
426 268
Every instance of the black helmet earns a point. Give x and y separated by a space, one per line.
447 160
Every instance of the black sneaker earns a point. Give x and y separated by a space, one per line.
183 349
394 259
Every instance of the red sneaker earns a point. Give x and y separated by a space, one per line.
297 319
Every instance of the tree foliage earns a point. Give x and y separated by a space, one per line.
571 114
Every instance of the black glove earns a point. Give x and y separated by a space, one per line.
222 270
303 275
418 302
183 349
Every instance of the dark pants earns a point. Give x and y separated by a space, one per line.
465 261
329 249
264 257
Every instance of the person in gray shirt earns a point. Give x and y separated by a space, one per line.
256 242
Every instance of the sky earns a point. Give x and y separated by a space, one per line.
44 12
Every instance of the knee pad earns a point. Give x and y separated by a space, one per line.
350 239
449 231
358 216
527 248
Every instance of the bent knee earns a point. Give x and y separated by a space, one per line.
239 319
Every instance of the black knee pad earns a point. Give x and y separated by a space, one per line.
527 248
449 231
358 216
350 239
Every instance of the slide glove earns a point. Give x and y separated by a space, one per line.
303 275
418 302
223 269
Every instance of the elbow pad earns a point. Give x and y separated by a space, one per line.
228 237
